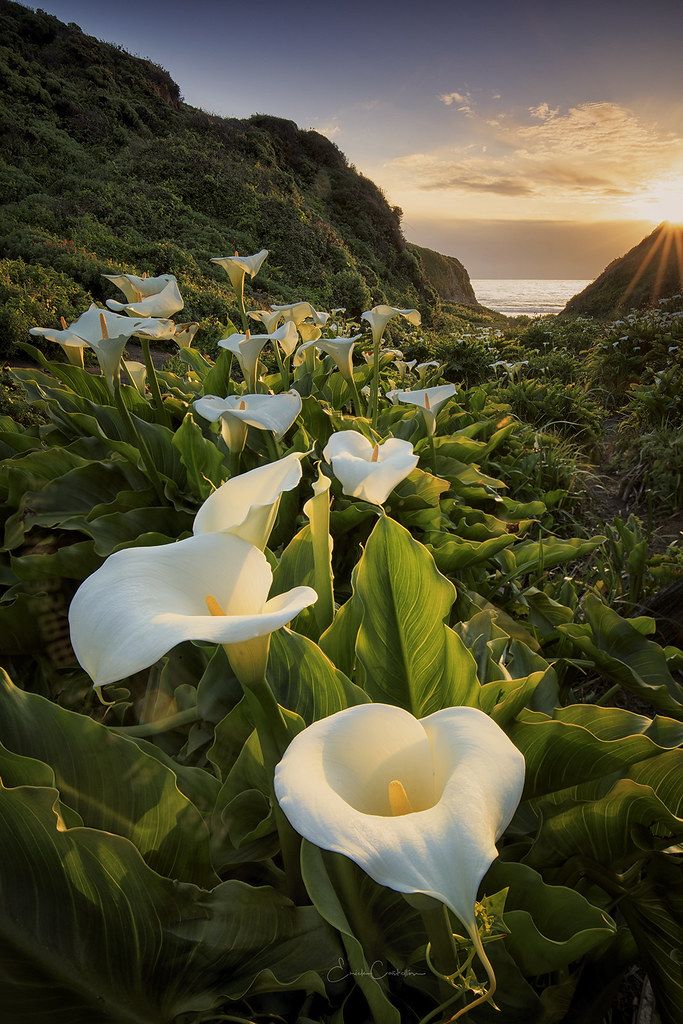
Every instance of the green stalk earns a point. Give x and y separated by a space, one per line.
153 382
317 509
284 372
138 441
440 934
181 718
357 406
374 386
433 450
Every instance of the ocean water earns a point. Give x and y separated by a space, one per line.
519 297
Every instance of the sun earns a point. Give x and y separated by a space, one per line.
662 199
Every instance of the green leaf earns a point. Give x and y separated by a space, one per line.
91 933
550 925
110 782
316 868
304 680
201 458
407 654
584 742
623 654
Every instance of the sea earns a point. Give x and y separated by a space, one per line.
521 297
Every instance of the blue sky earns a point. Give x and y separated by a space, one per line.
529 139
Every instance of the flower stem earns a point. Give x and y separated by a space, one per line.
153 382
374 386
186 717
440 934
139 442
357 406
607 697
433 451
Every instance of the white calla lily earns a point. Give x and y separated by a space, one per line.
247 348
379 316
309 332
70 343
163 302
237 267
143 601
429 400
369 471
184 334
275 413
340 349
107 334
270 319
419 805
247 505
300 311
137 373
136 288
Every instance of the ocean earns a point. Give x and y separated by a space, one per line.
519 297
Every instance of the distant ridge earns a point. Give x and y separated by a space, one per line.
652 270
447 276
104 168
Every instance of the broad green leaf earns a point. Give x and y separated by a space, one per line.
407 654
201 458
585 742
339 641
110 782
305 680
323 875
623 654
91 933
550 925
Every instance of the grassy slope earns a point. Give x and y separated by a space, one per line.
104 168
651 270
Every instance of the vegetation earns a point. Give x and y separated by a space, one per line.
498 557
105 169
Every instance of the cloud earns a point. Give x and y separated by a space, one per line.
449 98
461 100
543 112
594 152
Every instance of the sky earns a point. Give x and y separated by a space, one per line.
528 139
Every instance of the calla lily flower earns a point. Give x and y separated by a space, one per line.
71 344
136 288
143 601
107 334
137 373
164 301
237 412
379 316
340 349
309 332
366 471
247 505
404 366
184 334
418 804
237 267
269 319
429 400
248 347
300 311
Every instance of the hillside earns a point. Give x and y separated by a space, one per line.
105 168
447 276
652 270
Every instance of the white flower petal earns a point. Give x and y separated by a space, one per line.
143 601
462 776
160 304
364 473
246 505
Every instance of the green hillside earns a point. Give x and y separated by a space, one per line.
105 168
447 276
650 271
